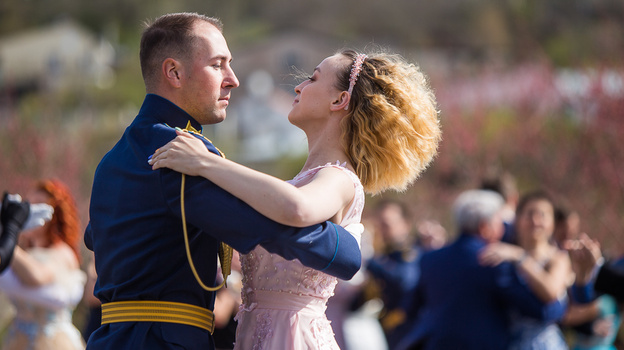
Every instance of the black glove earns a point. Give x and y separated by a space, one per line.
14 212
12 217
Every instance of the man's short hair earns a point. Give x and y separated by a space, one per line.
502 182
170 35
406 214
474 207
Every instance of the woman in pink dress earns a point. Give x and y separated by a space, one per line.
371 124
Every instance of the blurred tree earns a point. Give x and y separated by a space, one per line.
569 150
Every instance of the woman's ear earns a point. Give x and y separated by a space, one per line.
342 102
172 71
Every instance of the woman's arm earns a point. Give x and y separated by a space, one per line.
29 271
319 200
548 285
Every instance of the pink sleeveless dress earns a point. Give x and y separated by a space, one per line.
283 302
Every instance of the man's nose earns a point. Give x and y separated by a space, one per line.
230 80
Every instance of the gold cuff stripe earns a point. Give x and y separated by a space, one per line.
158 311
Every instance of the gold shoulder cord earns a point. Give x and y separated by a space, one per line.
225 251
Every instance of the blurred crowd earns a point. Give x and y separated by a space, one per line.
516 272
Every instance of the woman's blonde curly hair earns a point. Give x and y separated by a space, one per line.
392 131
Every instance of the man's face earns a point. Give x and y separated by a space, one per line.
392 226
207 77
494 229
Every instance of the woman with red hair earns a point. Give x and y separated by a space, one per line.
44 280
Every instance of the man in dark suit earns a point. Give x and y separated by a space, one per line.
593 275
610 280
460 304
156 234
395 270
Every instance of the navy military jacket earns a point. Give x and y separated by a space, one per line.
135 232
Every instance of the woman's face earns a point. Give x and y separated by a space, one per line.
316 94
536 221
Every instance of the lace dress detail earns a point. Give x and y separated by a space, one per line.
283 302
263 330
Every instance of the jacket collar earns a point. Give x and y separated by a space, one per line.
471 239
167 112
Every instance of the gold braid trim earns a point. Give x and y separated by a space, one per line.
225 251
158 311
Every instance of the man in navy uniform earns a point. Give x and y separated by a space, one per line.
460 304
395 270
142 224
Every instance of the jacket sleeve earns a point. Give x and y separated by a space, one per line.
8 240
326 247
13 215
583 294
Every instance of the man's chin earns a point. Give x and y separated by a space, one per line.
219 118
214 118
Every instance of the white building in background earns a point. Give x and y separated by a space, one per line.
62 55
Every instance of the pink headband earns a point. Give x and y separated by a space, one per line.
356 68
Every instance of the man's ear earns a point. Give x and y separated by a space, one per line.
485 231
342 102
172 71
